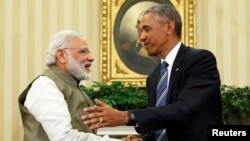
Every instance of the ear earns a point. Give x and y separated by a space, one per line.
170 27
61 56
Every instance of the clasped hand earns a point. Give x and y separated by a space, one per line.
102 115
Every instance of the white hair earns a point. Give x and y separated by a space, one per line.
59 41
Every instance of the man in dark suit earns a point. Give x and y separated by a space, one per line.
193 99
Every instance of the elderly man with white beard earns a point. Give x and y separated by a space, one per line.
51 105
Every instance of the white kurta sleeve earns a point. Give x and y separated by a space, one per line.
46 103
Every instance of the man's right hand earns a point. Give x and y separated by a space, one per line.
103 115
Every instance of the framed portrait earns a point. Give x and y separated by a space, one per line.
123 58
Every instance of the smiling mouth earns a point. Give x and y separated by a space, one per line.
146 45
87 65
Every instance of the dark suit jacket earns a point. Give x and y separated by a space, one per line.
194 99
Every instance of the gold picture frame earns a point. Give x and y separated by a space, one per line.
113 67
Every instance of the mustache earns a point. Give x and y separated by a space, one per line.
87 63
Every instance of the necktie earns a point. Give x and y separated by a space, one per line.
161 97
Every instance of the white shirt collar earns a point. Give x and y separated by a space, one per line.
171 57
172 54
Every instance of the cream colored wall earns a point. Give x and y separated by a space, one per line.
27 25
25 28
222 26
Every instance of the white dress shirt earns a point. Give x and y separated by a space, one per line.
46 103
171 57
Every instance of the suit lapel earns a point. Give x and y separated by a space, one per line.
175 74
152 82
176 69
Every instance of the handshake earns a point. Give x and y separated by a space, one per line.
102 115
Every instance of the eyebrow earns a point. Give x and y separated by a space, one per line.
145 27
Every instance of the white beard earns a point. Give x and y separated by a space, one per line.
77 69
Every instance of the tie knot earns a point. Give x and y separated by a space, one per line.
164 64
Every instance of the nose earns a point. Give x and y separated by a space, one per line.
90 57
142 37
